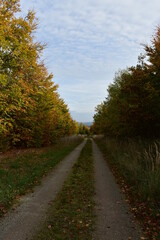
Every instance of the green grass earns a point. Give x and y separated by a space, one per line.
21 174
71 215
136 165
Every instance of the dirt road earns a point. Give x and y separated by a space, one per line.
114 222
22 222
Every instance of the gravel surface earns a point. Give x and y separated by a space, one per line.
114 221
22 222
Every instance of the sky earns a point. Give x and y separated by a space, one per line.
88 41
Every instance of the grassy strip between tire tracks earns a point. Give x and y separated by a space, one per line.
135 181
21 174
71 215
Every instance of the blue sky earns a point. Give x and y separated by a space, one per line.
88 41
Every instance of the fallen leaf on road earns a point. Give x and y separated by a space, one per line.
49 226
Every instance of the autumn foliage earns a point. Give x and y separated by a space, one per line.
132 107
31 110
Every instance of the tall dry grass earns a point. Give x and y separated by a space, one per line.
138 162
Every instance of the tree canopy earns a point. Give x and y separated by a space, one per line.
132 107
31 110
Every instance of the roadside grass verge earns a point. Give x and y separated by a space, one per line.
19 175
71 215
136 166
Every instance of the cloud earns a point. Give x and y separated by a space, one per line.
88 40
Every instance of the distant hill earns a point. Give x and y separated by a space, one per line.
87 123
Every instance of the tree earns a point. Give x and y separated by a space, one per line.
31 111
132 107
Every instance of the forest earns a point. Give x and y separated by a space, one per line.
132 107
32 114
